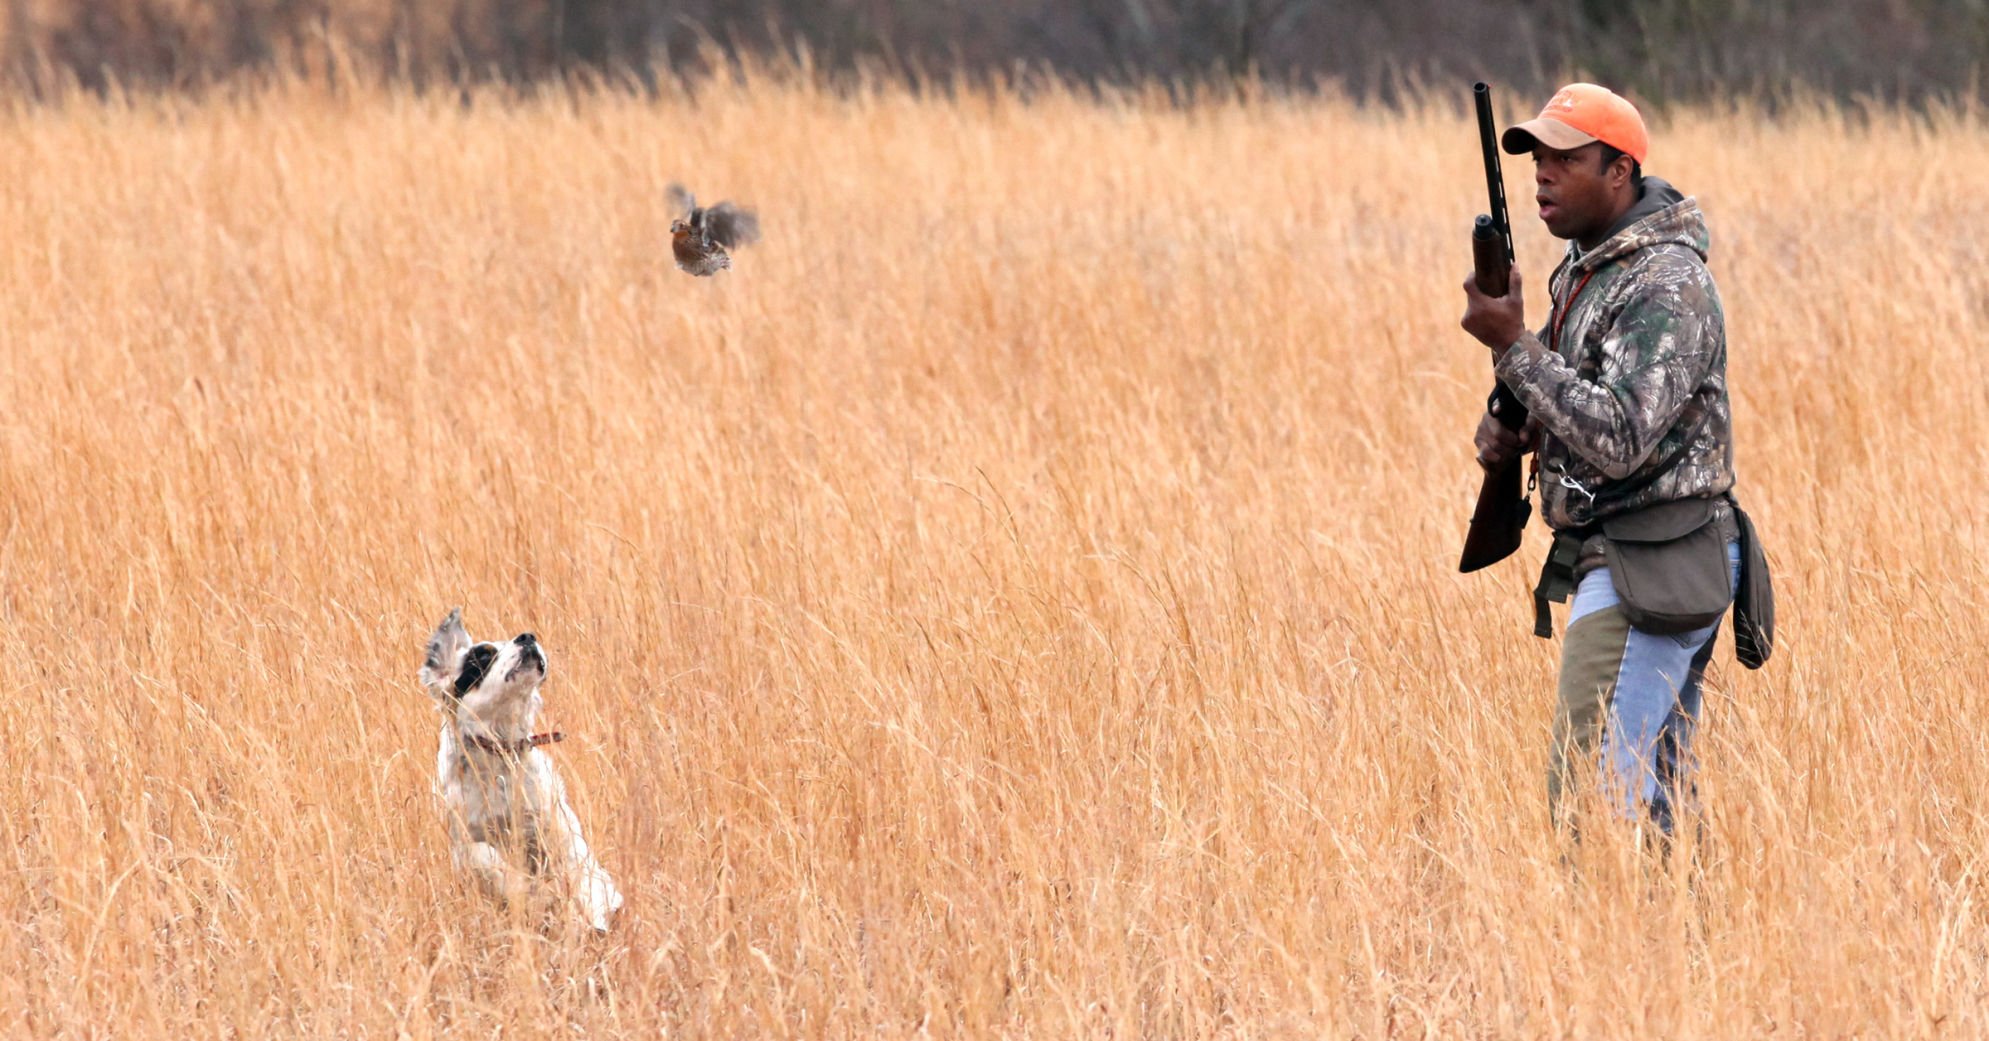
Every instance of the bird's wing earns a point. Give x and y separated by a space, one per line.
680 199
731 225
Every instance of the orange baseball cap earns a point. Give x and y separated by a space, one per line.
1578 114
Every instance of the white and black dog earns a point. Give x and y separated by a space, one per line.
509 821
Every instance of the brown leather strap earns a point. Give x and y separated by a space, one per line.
519 747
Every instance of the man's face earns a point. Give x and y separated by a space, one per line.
1579 198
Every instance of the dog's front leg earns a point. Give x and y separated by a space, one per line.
597 893
497 874
592 887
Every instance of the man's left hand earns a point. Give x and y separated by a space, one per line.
1497 321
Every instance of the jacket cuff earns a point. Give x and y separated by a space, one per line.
1517 365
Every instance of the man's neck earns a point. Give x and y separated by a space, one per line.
1600 237
1604 229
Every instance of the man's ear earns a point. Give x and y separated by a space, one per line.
1621 169
445 655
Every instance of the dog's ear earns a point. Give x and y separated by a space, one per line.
445 655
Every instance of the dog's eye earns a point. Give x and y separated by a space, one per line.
475 664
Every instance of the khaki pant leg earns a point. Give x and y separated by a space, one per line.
1591 660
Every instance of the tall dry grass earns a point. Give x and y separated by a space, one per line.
1017 601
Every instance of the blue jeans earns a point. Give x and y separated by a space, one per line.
1629 701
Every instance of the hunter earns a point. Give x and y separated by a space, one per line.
1633 453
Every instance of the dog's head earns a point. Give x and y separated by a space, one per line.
490 689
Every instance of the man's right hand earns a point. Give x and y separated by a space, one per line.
1497 445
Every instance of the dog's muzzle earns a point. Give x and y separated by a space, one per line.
529 656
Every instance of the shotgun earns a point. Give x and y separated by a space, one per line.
1503 508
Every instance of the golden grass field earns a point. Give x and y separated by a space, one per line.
1019 600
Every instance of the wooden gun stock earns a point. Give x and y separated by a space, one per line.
1499 518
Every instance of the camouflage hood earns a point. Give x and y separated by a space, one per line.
1631 395
1661 215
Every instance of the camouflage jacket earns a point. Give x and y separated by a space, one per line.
1633 405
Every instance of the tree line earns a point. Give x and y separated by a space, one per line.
1661 50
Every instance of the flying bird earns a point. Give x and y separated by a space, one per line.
701 236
